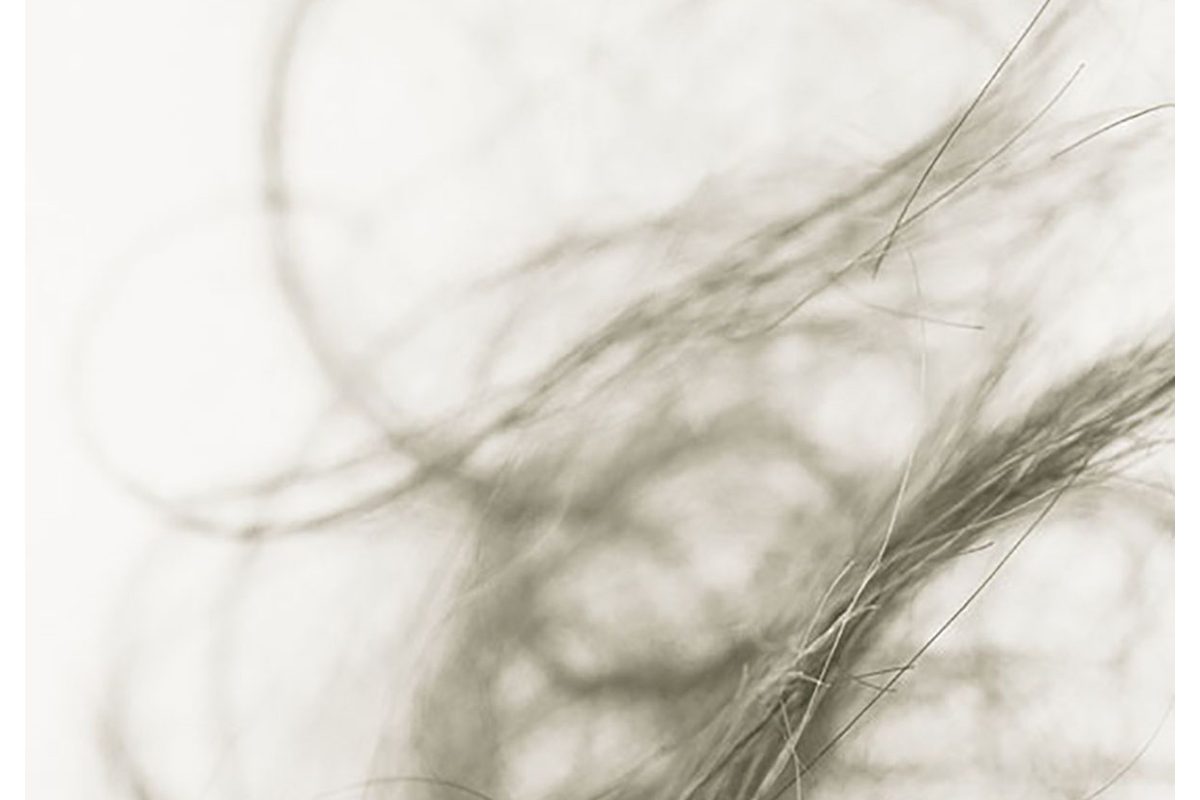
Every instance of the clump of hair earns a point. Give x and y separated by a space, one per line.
682 501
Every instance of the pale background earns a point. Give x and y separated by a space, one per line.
143 118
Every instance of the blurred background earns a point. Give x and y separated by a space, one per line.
428 146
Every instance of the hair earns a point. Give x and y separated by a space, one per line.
704 493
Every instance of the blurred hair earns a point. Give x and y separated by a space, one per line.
705 487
